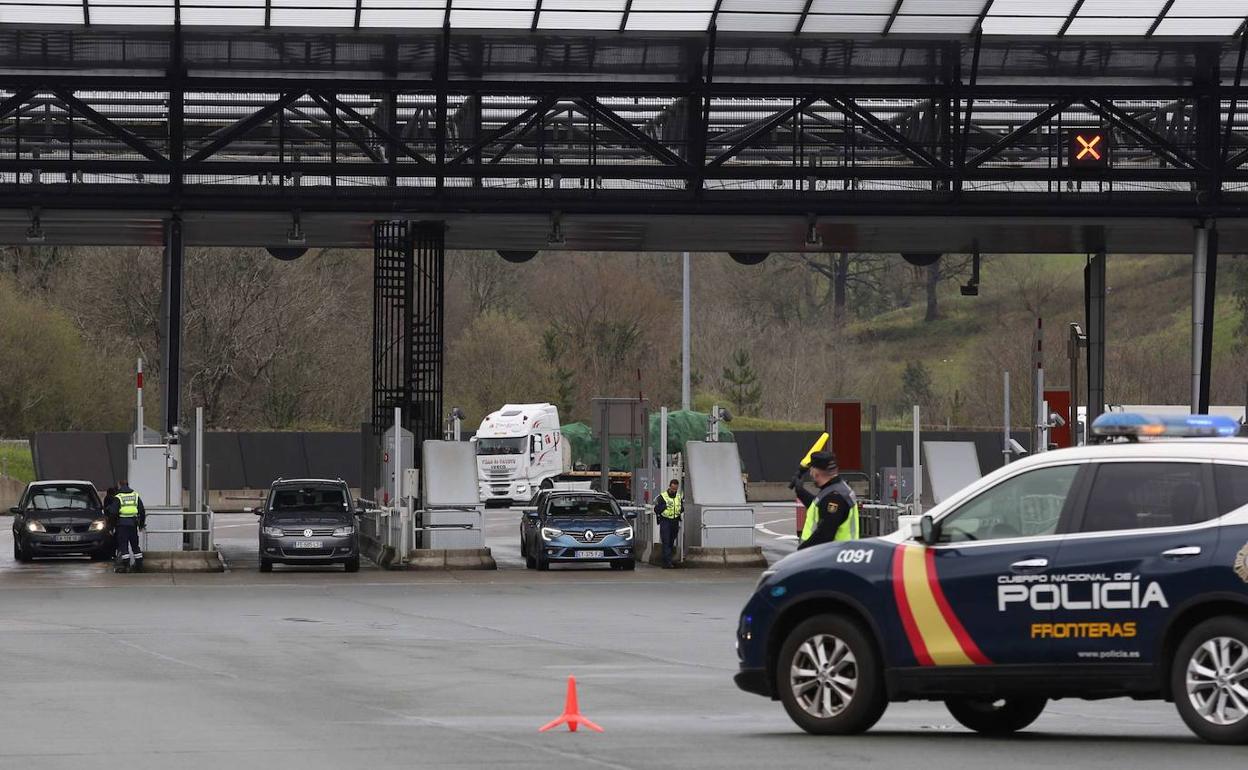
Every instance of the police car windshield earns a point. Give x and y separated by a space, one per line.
500 446
59 498
580 507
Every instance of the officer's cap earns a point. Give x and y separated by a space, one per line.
824 461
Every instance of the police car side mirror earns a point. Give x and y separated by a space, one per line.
927 530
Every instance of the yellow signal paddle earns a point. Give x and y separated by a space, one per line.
818 446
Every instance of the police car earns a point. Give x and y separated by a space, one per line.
1118 569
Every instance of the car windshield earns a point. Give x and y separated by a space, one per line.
501 446
317 499
56 498
580 507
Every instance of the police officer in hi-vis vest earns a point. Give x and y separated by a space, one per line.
131 517
832 512
668 508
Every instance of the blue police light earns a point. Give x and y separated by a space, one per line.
1135 426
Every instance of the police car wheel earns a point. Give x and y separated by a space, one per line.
266 565
1000 716
1209 680
829 677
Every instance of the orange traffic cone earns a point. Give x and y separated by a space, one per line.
571 713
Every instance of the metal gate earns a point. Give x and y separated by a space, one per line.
408 288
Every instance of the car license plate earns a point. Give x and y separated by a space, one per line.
309 544
66 538
590 554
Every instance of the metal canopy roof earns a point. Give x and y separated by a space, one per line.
1049 18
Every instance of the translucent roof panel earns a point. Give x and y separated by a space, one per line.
933 18
247 13
31 13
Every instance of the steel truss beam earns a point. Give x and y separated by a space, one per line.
356 143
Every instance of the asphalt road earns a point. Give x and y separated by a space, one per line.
320 669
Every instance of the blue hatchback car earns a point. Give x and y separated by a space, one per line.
577 526
1096 572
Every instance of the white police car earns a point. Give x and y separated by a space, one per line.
1118 569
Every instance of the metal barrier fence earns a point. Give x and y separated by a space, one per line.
196 530
876 519
401 530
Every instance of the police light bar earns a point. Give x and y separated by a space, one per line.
1136 426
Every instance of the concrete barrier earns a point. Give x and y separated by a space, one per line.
386 557
748 557
10 492
183 561
769 492
451 558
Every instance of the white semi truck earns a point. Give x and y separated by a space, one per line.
520 451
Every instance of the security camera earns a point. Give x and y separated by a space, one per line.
1017 448
458 413
1056 420
725 415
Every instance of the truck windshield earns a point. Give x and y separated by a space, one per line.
501 446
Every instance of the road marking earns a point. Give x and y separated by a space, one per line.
762 527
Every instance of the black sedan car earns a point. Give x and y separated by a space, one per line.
577 527
309 521
61 518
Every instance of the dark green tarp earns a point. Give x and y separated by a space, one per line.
682 427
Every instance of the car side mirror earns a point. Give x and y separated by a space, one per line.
257 511
928 533
630 515
15 510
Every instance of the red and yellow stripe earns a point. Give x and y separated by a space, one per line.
936 635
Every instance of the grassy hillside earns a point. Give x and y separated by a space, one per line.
16 462
976 338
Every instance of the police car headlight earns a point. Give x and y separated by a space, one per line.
273 531
98 525
625 532
550 533
344 532
35 526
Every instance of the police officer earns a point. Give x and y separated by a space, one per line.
832 512
131 517
668 508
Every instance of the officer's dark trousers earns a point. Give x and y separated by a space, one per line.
668 530
127 541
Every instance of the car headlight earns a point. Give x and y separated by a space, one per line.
522 487
35 526
273 531
344 532
550 533
625 532
98 525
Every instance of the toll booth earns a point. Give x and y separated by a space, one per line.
154 471
718 522
450 514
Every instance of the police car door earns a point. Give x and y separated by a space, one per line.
1142 546
991 551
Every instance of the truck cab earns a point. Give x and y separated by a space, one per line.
519 451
